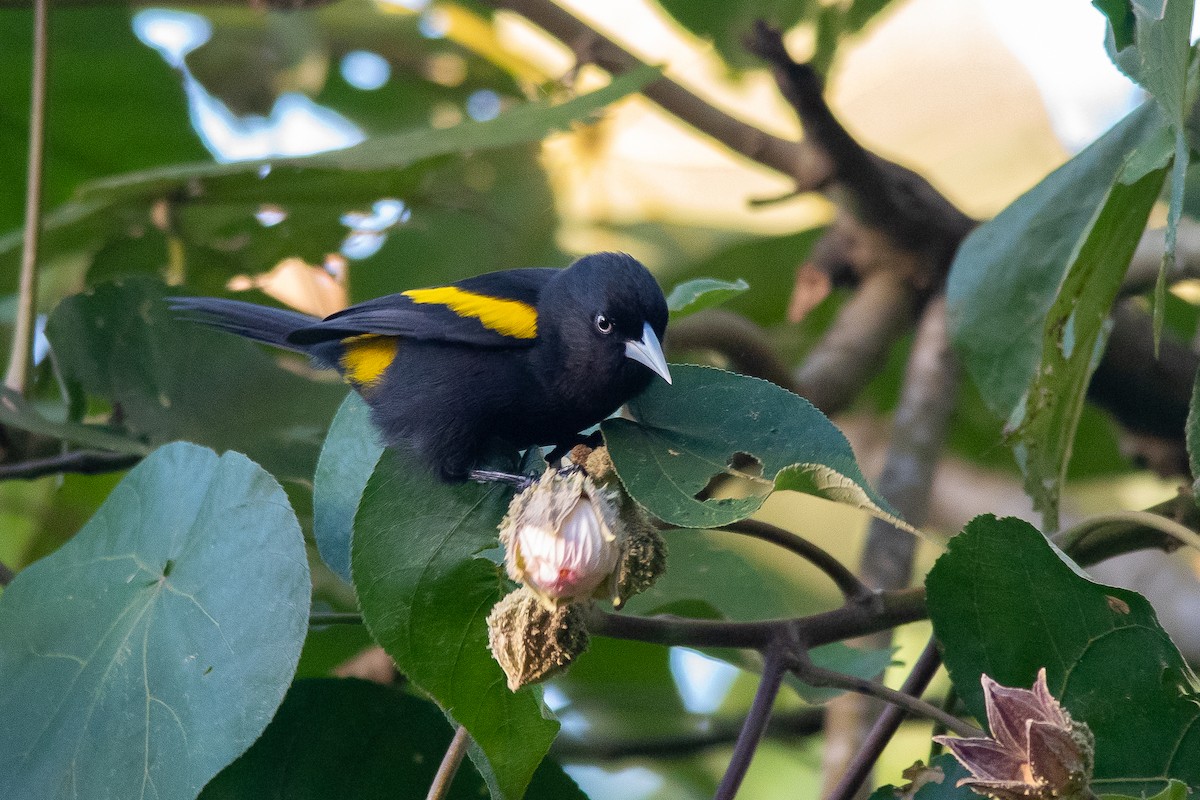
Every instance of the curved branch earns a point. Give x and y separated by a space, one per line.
808 165
881 611
738 340
846 581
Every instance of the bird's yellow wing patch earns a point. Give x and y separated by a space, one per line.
504 316
366 357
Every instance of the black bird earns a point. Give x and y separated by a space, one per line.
527 356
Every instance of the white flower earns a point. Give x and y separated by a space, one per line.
561 537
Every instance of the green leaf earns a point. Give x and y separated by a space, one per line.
348 458
16 412
715 424
1193 435
940 785
177 380
116 105
351 739
425 593
1005 603
1006 275
531 122
1150 41
1074 332
154 647
701 293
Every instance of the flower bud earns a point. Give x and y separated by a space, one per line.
560 537
531 642
1037 752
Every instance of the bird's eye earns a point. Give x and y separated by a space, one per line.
603 324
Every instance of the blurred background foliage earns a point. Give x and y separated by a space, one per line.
944 86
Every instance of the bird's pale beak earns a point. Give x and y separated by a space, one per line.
649 352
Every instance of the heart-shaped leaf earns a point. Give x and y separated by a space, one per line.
154 647
425 593
1005 603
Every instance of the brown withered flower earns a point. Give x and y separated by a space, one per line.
1036 751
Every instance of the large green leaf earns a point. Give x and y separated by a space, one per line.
1006 275
1005 603
352 740
1045 422
526 123
425 593
154 647
715 424
348 458
176 380
1030 291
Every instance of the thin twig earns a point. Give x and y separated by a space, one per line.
6 574
317 618
83 462
440 788
886 725
21 352
847 582
819 676
774 665
715 733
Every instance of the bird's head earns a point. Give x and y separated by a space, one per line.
610 315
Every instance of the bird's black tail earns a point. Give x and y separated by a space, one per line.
261 323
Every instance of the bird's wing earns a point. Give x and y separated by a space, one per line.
498 309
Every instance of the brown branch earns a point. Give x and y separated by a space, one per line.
16 378
856 345
440 788
6 574
806 164
739 341
882 611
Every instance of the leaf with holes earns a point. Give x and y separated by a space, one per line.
714 432
1005 603
154 647
426 591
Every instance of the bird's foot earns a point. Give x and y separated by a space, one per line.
520 482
